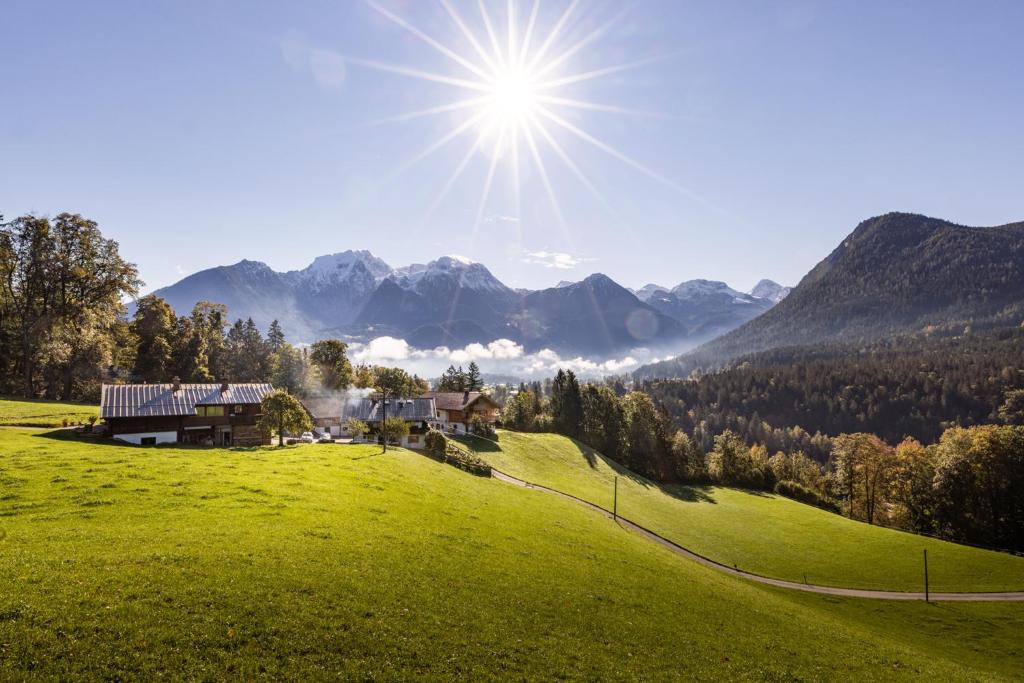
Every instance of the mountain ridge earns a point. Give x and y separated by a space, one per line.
453 301
898 273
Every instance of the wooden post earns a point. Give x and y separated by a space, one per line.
615 501
926 575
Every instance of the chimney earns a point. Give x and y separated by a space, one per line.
465 397
175 384
223 387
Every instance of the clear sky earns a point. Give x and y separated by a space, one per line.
199 133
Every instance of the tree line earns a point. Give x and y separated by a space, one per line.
967 485
916 386
65 329
62 288
203 347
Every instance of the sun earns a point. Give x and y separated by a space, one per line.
514 95
514 98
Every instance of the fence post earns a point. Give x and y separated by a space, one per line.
926 575
615 501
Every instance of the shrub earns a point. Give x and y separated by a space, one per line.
797 491
436 443
481 427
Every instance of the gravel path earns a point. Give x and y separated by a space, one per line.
792 585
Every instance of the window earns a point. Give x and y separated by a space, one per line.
237 410
148 441
210 411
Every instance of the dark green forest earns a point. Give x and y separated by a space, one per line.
914 386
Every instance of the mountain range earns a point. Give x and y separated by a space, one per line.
896 274
452 301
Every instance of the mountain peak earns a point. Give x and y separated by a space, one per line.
771 290
329 265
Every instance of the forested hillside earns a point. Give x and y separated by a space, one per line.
895 274
909 386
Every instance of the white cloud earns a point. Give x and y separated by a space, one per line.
382 349
554 259
501 356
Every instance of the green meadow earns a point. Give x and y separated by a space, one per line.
761 533
322 561
40 413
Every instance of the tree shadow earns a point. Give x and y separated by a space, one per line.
688 493
476 443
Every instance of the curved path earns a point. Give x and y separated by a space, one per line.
792 585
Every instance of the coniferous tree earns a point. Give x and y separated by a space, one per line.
154 325
473 380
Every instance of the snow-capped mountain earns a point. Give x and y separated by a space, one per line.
647 291
453 301
706 308
768 289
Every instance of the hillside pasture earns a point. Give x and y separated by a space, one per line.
22 412
129 563
757 532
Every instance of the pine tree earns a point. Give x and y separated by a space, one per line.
275 336
473 380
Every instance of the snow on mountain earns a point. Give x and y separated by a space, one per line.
697 288
465 273
773 291
648 290
337 266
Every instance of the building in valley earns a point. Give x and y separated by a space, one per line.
215 414
456 409
332 413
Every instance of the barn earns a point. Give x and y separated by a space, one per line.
214 414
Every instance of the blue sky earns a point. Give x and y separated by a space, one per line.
201 133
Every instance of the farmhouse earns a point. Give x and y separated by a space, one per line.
216 414
455 409
334 412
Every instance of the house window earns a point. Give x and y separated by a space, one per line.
210 411
148 441
237 410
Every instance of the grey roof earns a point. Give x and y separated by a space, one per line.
370 409
457 400
153 400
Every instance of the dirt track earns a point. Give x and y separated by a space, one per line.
792 585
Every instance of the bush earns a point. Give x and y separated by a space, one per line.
797 491
436 443
482 428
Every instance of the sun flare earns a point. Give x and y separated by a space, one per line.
515 95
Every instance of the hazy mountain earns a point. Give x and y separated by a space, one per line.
337 286
707 308
594 316
453 301
247 288
645 292
450 301
895 274
768 289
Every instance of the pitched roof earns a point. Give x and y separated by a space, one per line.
370 409
152 400
456 400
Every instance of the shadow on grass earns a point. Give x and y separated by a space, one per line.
75 436
479 444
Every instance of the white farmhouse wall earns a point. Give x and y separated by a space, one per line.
161 437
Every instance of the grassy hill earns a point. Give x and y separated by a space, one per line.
757 532
39 413
335 561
